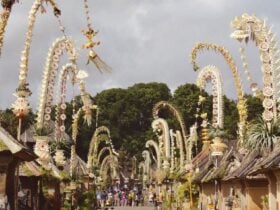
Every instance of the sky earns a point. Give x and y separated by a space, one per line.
142 40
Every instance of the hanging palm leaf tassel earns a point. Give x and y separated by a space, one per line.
100 64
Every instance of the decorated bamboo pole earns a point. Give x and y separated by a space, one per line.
241 104
212 74
23 73
154 144
179 141
175 111
249 27
94 144
4 17
90 44
160 127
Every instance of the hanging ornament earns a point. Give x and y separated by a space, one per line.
253 85
90 44
20 107
59 158
100 64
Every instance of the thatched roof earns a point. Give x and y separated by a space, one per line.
80 167
201 157
29 169
218 172
8 143
248 162
267 163
28 135
202 163
224 167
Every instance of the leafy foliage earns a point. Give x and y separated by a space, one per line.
128 113
9 121
254 106
231 117
186 99
217 132
261 135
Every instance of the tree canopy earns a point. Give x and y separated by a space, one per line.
127 112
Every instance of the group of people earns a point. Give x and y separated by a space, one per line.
120 198
128 198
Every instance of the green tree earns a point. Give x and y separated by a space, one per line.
186 99
254 106
10 122
231 117
128 115
262 135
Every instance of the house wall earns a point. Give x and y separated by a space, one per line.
255 189
232 191
207 195
245 195
7 177
30 184
272 190
277 175
2 183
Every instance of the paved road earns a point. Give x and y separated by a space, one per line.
133 208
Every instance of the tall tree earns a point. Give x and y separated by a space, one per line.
9 121
254 106
128 115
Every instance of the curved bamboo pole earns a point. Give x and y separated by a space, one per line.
147 162
160 127
249 27
172 151
25 53
174 110
241 104
102 151
213 74
67 71
75 119
76 76
179 140
50 73
152 143
112 162
4 17
94 144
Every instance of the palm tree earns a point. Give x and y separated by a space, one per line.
262 135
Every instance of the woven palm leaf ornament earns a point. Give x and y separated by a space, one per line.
90 44
251 28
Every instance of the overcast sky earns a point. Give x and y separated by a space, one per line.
142 40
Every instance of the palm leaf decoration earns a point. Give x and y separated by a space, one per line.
261 135
218 132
